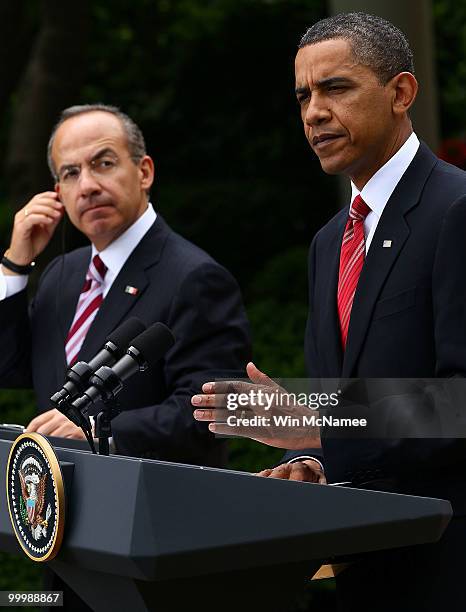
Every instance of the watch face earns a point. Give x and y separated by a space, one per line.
36 496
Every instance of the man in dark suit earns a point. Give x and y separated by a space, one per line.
103 175
387 294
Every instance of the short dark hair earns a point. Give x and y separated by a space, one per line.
375 42
135 139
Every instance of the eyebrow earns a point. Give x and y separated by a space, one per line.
324 84
64 167
102 152
98 155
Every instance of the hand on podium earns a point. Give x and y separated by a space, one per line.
260 410
54 423
306 470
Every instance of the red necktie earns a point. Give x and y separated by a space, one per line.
351 261
88 304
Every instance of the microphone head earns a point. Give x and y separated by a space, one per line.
153 343
122 336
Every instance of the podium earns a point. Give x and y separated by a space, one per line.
147 535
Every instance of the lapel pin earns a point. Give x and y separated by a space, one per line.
387 244
131 290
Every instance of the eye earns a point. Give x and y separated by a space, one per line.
70 174
105 164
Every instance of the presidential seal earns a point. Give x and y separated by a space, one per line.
36 496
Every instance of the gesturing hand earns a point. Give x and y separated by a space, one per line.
259 410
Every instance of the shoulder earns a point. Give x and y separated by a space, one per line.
446 180
183 257
443 198
65 263
443 183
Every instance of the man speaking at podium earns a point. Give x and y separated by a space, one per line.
136 266
387 294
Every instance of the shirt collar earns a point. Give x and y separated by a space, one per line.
377 191
115 255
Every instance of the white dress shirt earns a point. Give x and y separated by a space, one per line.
378 189
114 256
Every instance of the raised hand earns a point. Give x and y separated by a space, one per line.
33 228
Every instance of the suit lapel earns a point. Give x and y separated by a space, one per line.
331 327
70 281
392 226
118 303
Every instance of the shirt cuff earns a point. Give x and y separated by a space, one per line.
10 285
304 457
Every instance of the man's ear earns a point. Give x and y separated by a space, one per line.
404 87
147 172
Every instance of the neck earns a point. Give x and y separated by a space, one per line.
395 143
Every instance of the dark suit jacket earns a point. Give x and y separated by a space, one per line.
180 285
408 320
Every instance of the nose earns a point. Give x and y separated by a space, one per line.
88 185
317 111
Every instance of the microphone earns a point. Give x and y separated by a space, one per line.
77 377
144 352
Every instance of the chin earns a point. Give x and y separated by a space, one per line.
332 167
98 231
338 164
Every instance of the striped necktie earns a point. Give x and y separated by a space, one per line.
88 305
353 250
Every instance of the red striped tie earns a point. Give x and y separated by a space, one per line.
351 261
88 304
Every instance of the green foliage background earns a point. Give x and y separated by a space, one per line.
211 84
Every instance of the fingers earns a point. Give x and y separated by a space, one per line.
224 429
48 423
308 471
217 415
240 386
298 471
39 421
68 430
43 204
37 212
259 377
227 387
281 471
265 473
33 227
301 471
316 467
40 210
217 400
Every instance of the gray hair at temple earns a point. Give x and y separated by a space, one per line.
375 42
135 139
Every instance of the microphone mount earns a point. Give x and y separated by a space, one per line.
146 350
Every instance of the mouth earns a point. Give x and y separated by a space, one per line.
97 208
322 140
